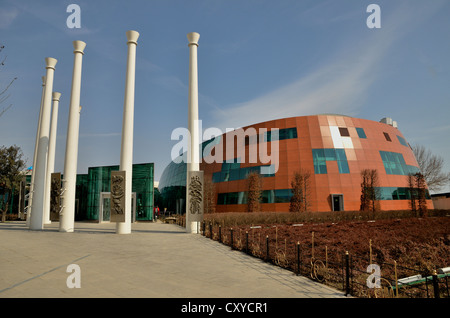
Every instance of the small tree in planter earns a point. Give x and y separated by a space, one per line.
253 192
370 194
300 187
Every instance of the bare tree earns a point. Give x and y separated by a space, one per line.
412 192
3 93
421 194
431 167
300 187
253 192
417 194
209 196
369 190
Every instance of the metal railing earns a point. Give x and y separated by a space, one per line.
344 271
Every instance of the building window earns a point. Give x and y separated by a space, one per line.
394 193
321 156
402 141
286 133
267 196
344 132
394 163
232 171
386 135
361 133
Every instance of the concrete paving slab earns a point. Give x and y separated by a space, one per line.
155 261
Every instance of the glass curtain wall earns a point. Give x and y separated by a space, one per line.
99 180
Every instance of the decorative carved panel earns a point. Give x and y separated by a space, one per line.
118 196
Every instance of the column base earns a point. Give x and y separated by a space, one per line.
193 227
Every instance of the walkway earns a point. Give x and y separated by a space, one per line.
155 261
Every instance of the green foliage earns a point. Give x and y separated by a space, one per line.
11 166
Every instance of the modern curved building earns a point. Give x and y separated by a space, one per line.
333 148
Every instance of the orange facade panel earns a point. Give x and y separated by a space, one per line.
335 180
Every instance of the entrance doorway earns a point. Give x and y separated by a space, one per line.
337 202
104 214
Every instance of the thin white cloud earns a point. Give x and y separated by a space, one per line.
7 16
339 86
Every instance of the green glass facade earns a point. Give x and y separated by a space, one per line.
402 141
361 133
81 196
233 171
99 180
284 195
321 156
394 163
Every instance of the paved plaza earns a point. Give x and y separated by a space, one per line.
156 260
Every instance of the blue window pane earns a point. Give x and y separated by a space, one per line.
243 173
316 169
330 154
234 175
343 167
340 154
394 163
402 141
318 154
216 177
321 156
283 195
224 176
361 133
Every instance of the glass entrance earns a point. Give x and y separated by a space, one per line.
337 202
105 207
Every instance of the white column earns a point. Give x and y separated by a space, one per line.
37 217
51 156
193 159
67 217
30 193
126 153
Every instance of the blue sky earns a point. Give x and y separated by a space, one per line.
258 60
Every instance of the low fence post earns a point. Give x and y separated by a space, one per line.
298 258
267 247
231 238
204 228
210 231
435 284
347 274
246 242
220 233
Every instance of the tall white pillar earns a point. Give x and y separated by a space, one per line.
51 156
30 193
37 217
126 153
194 158
67 218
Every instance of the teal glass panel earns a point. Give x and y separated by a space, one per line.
318 154
99 180
361 133
402 141
343 166
394 163
330 154
216 177
234 174
286 133
340 155
321 156
283 195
